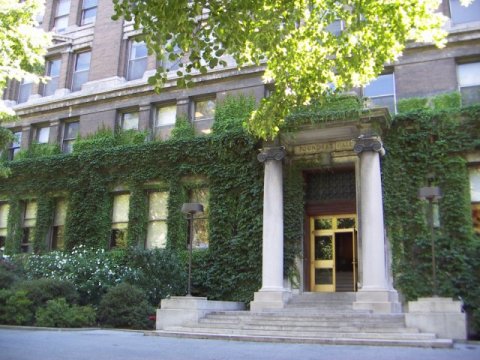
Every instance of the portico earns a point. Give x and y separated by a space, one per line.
344 246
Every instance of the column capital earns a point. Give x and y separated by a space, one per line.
368 143
271 153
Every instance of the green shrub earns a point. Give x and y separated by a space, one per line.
59 313
447 101
8 274
37 150
232 112
125 306
107 138
160 273
183 129
39 291
15 308
91 272
412 104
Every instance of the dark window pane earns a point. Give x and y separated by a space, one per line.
323 248
323 276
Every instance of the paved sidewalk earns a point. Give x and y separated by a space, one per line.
28 344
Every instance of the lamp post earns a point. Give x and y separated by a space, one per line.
190 209
432 194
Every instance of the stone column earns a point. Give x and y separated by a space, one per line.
272 294
376 293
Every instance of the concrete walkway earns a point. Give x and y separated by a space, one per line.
30 344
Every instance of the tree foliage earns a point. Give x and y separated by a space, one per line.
296 41
22 44
22 49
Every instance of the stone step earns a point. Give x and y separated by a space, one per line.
319 296
306 327
296 323
309 316
304 333
432 343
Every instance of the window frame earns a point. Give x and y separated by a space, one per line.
121 119
28 230
202 100
61 17
15 146
152 220
119 227
38 130
24 91
474 201
157 112
474 85
469 10
48 88
200 218
85 10
76 86
58 225
66 141
386 95
131 62
4 211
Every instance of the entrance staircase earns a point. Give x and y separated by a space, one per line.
321 318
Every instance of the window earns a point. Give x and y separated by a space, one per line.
157 219
381 92
336 27
42 135
474 174
29 222
4 209
24 91
166 115
80 73
170 62
137 61
469 82
89 11
129 121
204 109
462 14
53 71
58 231
14 147
70 133
118 237
61 16
200 222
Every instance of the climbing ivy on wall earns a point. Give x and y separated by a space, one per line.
422 146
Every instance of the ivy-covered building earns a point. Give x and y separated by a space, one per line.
101 160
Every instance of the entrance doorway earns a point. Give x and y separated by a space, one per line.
333 253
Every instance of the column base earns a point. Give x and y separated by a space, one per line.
442 316
181 310
378 301
270 299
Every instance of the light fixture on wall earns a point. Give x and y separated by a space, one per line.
190 209
432 194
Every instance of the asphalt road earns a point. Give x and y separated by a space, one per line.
27 344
